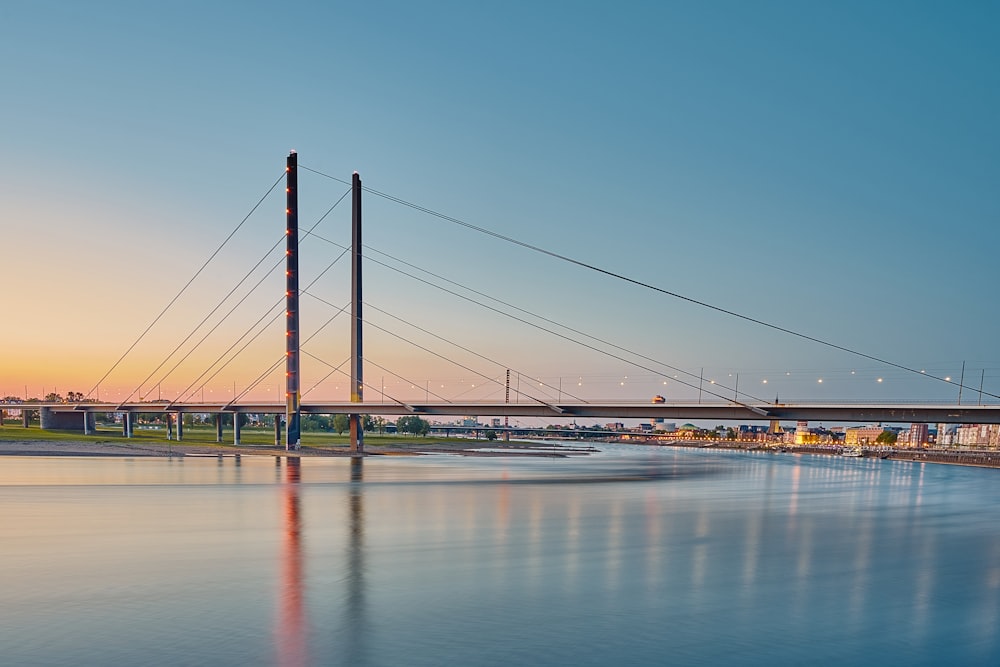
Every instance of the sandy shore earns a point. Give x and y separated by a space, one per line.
133 449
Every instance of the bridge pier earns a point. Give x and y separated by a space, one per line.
170 425
127 424
218 427
3 413
180 426
26 417
86 423
236 428
64 421
277 430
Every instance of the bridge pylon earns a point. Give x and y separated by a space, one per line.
357 382
293 430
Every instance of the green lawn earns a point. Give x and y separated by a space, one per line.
205 435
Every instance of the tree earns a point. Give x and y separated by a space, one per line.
491 435
53 397
413 425
730 433
887 438
341 423
314 423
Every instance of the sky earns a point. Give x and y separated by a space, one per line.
828 168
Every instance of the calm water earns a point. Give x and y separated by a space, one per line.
634 556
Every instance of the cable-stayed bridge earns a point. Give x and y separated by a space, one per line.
728 406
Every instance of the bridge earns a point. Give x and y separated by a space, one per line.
80 414
855 412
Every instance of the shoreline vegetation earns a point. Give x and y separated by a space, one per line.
32 441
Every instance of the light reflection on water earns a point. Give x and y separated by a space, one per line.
632 556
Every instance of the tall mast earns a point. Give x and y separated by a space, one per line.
293 433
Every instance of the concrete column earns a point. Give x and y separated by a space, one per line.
49 419
180 426
170 425
3 413
127 424
236 428
26 416
218 427
277 430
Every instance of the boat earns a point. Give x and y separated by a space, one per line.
851 451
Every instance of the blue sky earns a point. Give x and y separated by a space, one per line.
828 167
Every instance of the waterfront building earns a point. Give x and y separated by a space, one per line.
918 435
980 436
862 435
801 432
946 435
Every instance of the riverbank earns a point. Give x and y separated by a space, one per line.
141 447
982 459
130 448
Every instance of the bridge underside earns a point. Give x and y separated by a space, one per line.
565 412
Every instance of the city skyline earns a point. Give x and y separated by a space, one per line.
826 169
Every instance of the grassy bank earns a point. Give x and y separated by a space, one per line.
204 436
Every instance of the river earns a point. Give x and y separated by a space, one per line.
632 556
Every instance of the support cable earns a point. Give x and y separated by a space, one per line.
325 377
569 338
206 318
451 361
412 384
337 369
649 286
465 349
229 349
240 351
369 361
247 332
448 359
260 378
186 285
238 304
527 312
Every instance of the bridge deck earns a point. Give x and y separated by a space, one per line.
863 413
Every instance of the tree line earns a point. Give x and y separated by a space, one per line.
340 423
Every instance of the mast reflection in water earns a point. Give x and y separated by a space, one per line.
354 610
290 633
291 629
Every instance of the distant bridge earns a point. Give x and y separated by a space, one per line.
859 412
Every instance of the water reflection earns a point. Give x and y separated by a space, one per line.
354 609
290 639
291 629
754 559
